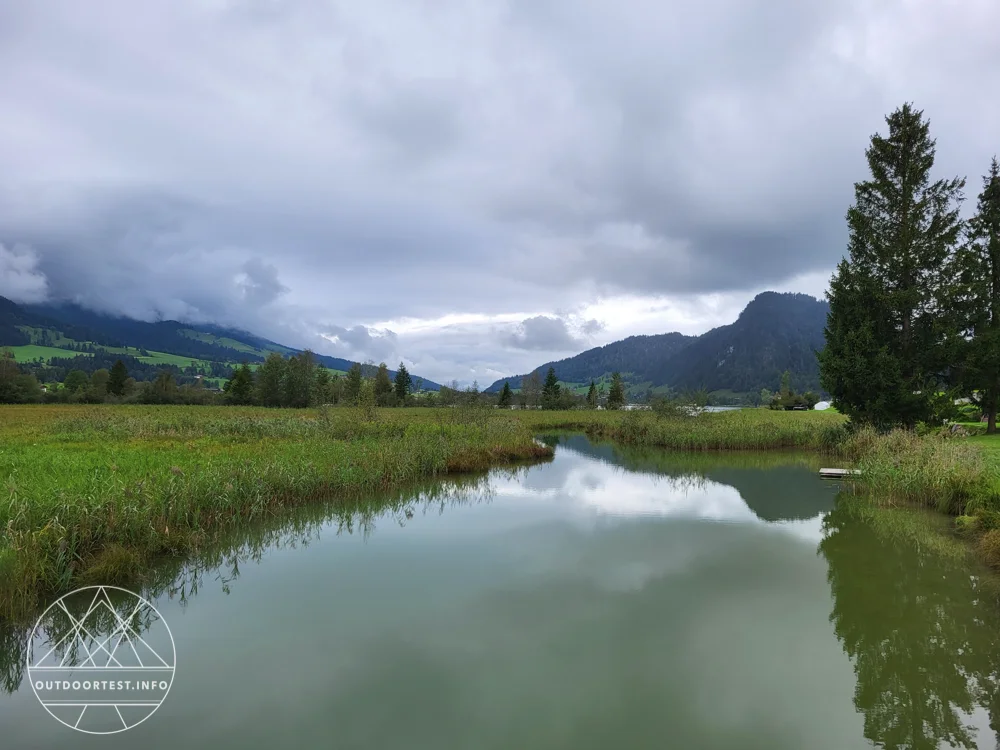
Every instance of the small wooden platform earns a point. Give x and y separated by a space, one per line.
838 473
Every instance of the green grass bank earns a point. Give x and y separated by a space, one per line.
92 493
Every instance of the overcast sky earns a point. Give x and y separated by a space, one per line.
471 186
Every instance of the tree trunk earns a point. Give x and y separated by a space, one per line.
991 412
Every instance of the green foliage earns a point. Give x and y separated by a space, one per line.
616 394
402 385
321 390
98 388
16 387
884 335
97 491
239 389
382 386
789 400
117 379
550 390
270 381
505 396
900 465
974 302
367 401
745 429
76 380
298 380
592 396
352 384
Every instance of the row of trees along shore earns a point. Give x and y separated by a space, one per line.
297 382
914 319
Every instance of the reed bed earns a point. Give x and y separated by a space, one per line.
100 490
743 430
948 474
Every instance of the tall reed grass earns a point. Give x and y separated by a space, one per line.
102 489
745 430
948 474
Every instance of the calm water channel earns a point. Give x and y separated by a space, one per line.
605 599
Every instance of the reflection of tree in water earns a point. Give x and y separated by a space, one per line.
918 627
221 560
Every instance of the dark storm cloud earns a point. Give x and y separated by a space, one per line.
306 166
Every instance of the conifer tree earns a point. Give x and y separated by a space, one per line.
505 396
402 384
239 388
592 395
975 302
550 390
616 394
885 344
117 378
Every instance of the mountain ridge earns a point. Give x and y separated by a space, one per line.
775 332
53 327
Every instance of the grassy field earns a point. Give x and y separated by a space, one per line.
91 493
31 352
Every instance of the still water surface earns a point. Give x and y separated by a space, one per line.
605 599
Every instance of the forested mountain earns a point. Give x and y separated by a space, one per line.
621 356
68 336
774 333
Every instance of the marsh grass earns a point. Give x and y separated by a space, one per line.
94 493
742 430
948 474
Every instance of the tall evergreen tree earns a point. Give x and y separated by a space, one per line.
270 380
976 302
505 396
239 388
352 384
550 390
402 384
616 394
116 381
382 385
885 353
592 396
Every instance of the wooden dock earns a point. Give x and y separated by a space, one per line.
838 473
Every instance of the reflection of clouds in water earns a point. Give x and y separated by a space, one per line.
597 490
